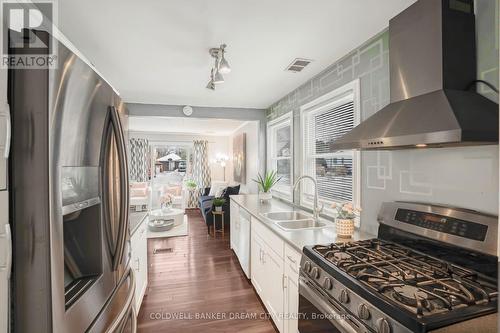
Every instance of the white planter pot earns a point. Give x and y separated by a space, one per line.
344 228
218 208
265 196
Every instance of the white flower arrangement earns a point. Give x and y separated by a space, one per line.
346 210
166 200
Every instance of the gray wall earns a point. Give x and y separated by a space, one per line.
466 177
258 115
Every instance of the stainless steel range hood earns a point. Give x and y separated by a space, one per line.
432 62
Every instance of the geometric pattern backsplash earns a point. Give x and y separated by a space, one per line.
440 176
369 63
139 160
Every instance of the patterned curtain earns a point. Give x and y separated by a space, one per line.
200 170
139 160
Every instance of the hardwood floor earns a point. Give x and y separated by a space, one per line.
201 277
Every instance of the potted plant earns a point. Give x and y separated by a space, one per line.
191 184
344 222
266 183
218 203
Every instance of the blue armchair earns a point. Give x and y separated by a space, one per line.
206 205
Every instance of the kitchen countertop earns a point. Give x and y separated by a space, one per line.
135 219
296 238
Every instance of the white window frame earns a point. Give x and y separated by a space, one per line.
341 95
281 191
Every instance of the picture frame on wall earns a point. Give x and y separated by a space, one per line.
239 158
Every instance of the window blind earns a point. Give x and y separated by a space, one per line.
332 170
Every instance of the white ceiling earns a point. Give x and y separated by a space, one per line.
157 51
180 125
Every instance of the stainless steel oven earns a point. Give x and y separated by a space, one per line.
320 313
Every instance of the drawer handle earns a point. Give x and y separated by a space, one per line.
291 259
138 264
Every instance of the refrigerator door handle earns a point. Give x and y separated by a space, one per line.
122 156
8 259
8 251
8 129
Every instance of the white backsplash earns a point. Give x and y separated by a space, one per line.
463 177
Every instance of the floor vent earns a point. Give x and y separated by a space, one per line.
298 65
163 250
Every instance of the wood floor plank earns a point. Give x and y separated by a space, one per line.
201 280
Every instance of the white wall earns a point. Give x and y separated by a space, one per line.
253 158
216 145
462 177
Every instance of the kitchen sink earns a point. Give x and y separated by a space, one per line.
300 224
287 216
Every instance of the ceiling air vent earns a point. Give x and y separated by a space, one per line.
298 65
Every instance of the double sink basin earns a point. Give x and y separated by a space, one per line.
293 220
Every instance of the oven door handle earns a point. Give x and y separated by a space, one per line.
333 315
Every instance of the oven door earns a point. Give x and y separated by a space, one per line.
320 314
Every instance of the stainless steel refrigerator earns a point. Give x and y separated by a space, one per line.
68 181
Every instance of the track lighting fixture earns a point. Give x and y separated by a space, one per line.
211 83
221 66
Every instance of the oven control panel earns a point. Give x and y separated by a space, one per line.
441 223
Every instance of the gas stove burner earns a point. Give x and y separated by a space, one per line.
342 256
409 293
423 284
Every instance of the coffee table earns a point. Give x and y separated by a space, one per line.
171 218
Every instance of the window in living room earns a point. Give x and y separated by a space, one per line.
170 159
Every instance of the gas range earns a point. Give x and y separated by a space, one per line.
415 277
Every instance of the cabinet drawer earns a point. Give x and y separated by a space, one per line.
292 261
271 239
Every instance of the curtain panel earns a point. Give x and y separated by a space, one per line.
139 160
200 170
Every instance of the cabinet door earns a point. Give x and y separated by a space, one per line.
234 224
139 262
257 266
291 305
273 286
244 241
143 266
292 267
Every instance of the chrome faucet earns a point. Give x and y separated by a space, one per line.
316 209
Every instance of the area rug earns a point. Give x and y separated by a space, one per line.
180 230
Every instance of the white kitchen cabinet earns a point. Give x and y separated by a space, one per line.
275 276
291 299
267 273
240 236
258 272
273 286
234 225
139 263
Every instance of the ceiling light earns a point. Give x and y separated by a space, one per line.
211 83
218 78
221 66
420 145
